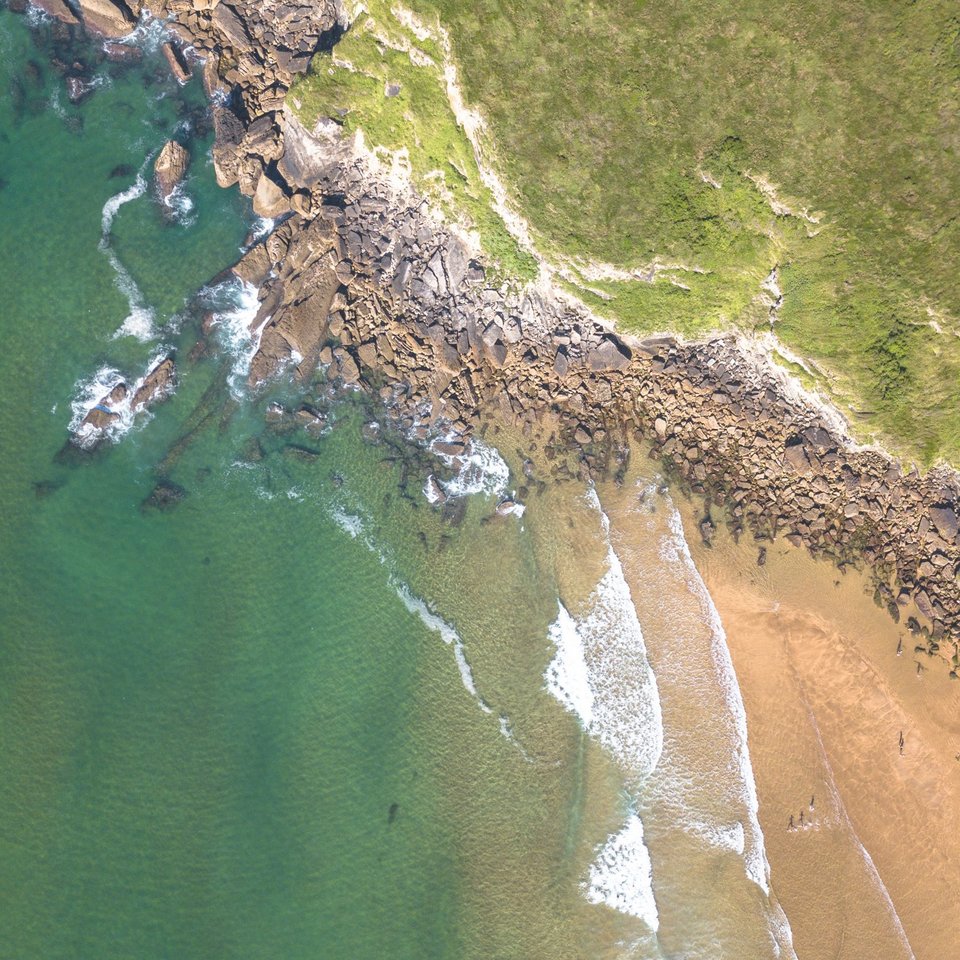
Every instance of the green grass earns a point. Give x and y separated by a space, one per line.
605 116
351 87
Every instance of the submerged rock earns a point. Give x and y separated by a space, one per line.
170 167
164 496
122 52
78 89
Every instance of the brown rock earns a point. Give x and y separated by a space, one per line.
103 414
269 199
178 66
610 354
170 167
796 457
228 131
157 385
212 83
57 9
122 52
945 518
230 24
107 18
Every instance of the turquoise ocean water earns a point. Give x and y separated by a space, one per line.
222 731
303 713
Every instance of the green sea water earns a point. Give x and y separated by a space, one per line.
227 729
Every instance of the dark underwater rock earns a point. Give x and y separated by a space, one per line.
164 496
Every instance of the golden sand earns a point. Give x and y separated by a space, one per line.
827 698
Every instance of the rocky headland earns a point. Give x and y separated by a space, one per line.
361 276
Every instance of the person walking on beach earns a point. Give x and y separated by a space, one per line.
901 743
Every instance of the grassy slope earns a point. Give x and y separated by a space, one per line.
606 114
351 85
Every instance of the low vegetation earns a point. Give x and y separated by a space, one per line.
372 83
669 156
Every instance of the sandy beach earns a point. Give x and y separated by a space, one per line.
871 863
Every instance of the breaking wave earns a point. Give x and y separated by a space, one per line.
675 549
235 305
354 526
600 672
139 322
480 469
447 633
728 818
621 876
180 206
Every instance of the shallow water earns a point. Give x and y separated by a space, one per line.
305 712
232 728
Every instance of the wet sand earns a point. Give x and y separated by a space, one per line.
827 698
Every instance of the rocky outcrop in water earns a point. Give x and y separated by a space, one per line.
59 10
170 167
122 401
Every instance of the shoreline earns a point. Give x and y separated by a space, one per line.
360 277
827 697
445 352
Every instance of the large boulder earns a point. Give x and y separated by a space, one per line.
157 384
178 66
57 9
228 135
104 413
170 167
269 200
107 18
945 517
609 354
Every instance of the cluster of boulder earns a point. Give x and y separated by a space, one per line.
252 52
377 290
103 18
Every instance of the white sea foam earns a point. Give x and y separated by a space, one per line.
743 835
262 227
139 321
621 876
149 33
353 525
482 470
840 808
349 523
567 676
601 671
448 634
432 490
236 304
34 16
180 205
56 103
675 549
